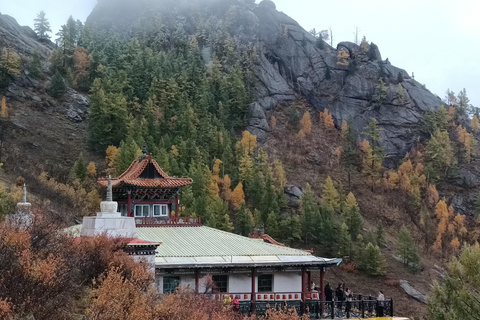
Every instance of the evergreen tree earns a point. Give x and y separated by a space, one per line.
344 241
272 227
372 262
245 217
439 155
127 153
42 26
79 169
35 67
380 234
57 87
310 213
406 249
352 216
457 296
291 229
349 154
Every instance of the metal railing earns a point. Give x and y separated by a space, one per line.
173 221
364 308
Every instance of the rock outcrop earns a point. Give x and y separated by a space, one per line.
293 62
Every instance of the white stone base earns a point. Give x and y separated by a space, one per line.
113 226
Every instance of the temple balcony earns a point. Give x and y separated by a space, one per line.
171 221
361 307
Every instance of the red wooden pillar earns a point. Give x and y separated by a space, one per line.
322 288
309 283
177 209
129 204
304 278
197 280
254 276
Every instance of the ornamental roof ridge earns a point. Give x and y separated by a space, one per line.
132 176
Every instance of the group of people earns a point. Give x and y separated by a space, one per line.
233 303
345 294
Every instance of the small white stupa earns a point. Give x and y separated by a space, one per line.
23 216
109 222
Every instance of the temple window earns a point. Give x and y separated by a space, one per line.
170 284
265 283
142 210
221 282
160 210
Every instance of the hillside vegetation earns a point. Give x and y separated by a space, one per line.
392 197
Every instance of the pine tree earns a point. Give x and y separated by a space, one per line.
57 87
245 217
406 249
310 213
351 215
439 155
372 261
457 296
380 234
272 227
42 26
364 46
79 170
344 241
381 93
35 66
330 196
349 154
127 152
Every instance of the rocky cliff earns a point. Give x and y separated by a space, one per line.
291 62
42 132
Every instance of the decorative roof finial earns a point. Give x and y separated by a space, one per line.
144 151
109 189
24 196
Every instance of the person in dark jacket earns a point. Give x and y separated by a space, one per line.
339 294
328 292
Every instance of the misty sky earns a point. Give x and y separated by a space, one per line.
435 39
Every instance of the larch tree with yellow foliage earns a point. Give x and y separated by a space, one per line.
110 158
248 143
330 196
475 124
342 57
3 119
327 119
306 124
238 196
352 216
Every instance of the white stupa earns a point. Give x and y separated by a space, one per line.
23 216
109 222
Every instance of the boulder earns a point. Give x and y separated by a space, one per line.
293 194
412 292
268 4
258 124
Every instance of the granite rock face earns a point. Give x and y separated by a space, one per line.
290 62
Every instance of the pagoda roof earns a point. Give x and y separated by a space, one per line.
145 172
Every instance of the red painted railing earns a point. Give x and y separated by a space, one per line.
173 221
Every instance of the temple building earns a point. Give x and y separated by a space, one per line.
146 192
259 271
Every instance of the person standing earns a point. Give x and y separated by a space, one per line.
380 307
328 292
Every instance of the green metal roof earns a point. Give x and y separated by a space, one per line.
208 242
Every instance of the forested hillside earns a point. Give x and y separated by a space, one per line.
330 149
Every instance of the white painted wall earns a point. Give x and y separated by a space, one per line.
241 283
287 282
